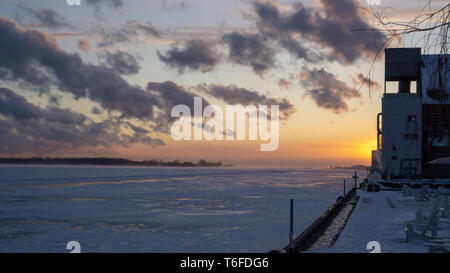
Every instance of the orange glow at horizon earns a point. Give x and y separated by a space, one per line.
309 136
242 151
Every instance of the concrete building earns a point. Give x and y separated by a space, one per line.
413 127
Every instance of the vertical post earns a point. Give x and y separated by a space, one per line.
434 228
291 227
344 187
356 178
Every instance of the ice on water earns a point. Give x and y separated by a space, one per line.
137 209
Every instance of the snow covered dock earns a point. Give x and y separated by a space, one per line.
380 217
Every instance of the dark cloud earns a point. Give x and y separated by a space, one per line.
126 33
140 135
84 45
195 55
122 62
232 94
145 27
360 79
27 128
34 58
250 50
111 3
54 100
96 111
272 21
333 25
16 106
328 31
295 48
326 90
174 94
45 17
273 25
114 36
284 84
99 4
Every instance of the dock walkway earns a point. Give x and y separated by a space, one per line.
381 217
326 228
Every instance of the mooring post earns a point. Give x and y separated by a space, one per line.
344 187
291 227
356 178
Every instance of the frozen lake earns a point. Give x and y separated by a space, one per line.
141 209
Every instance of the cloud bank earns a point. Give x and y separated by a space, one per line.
327 91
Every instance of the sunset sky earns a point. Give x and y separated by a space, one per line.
100 79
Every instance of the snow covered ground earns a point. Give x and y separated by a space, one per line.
375 218
137 209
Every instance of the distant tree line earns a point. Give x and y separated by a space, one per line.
354 167
106 161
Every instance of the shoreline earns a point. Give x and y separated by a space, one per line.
105 161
